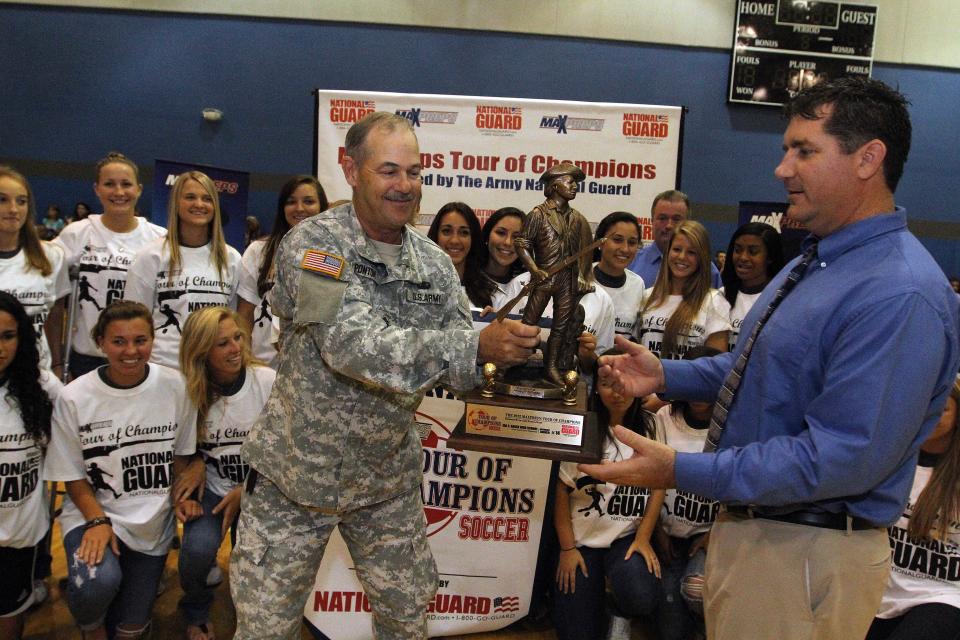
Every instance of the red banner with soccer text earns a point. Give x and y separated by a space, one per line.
484 515
490 152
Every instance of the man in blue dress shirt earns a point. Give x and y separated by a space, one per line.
844 382
668 210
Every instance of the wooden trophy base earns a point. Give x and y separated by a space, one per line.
529 427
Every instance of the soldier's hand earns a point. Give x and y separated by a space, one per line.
508 342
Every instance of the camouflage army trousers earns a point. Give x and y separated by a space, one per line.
279 547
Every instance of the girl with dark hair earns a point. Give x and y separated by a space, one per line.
53 221
611 260
604 534
681 311
686 519
229 388
754 256
31 270
102 247
80 211
301 197
193 267
456 230
25 411
121 435
496 238
922 599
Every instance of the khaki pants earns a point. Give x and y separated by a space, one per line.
782 581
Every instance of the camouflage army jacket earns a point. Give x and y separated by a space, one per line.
360 343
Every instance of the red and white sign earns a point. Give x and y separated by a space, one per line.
490 152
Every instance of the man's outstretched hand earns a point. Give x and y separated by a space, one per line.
635 373
651 464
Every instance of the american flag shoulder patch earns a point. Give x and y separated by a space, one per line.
323 263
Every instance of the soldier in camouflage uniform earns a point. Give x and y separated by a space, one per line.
372 315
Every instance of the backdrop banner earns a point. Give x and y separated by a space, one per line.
490 152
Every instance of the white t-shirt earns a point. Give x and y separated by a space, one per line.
627 300
741 307
122 441
713 316
227 426
24 517
104 257
597 307
198 284
602 511
923 571
684 514
262 315
35 291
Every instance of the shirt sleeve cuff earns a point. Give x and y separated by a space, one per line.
694 473
463 371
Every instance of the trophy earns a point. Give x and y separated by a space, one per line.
539 410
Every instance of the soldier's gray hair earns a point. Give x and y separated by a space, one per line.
354 144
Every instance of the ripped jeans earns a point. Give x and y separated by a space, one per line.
682 586
116 591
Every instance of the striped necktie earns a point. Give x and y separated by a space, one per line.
729 389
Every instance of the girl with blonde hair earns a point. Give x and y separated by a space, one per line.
102 247
229 388
31 270
190 269
681 310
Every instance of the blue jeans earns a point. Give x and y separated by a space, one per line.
581 615
198 554
930 621
674 617
116 591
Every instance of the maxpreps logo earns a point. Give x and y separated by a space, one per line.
346 111
639 127
418 116
570 430
564 123
498 120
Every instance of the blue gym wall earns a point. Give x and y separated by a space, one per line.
77 83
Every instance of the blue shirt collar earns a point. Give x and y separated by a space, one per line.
856 234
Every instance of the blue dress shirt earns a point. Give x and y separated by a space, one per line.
646 264
844 383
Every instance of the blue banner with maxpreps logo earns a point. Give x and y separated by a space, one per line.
232 187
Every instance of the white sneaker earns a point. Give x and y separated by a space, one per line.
618 628
40 592
215 577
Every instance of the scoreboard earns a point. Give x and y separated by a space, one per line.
783 46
